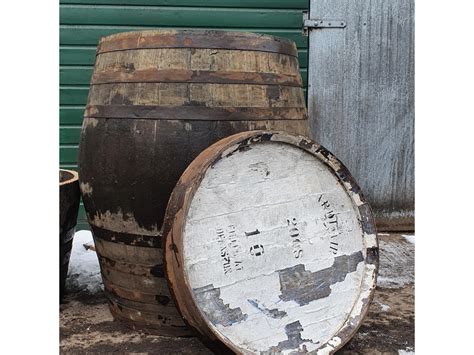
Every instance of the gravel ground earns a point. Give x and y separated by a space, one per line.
86 325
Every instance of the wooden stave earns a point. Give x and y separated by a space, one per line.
133 289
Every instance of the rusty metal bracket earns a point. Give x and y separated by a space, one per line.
309 24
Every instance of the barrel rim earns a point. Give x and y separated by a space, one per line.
133 40
71 180
178 208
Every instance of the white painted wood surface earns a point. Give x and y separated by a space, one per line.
274 250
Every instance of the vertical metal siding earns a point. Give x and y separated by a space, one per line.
361 98
83 22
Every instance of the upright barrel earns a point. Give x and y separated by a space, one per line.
270 247
157 99
69 197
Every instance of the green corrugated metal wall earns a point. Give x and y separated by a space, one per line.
83 22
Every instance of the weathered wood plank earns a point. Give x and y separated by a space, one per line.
203 59
361 97
82 76
84 55
78 95
205 95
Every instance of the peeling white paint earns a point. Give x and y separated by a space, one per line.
90 121
357 199
409 238
86 188
119 222
245 224
296 140
188 126
329 347
396 264
371 240
383 307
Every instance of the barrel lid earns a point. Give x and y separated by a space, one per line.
270 246
211 39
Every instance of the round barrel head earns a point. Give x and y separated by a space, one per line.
270 246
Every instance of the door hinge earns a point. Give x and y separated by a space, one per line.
309 24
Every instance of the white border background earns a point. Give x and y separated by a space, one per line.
444 146
444 194
29 200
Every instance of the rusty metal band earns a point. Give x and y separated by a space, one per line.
143 306
133 269
154 75
148 315
197 113
137 296
199 40
148 321
147 284
169 331
137 240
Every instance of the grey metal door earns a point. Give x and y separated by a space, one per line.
361 98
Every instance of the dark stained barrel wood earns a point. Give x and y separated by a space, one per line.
157 99
270 246
69 196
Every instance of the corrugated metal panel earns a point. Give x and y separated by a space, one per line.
167 16
263 4
83 22
361 98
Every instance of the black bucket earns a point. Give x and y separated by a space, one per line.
69 196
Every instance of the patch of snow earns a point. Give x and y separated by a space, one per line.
383 234
409 238
394 282
396 264
407 351
84 270
383 307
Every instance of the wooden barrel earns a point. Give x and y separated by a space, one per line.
270 246
157 99
69 197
